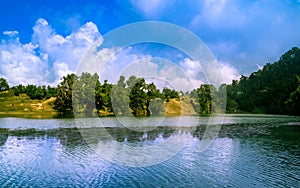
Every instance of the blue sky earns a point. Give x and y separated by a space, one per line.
44 40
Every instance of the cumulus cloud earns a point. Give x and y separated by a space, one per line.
19 62
192 68
228 73
48 57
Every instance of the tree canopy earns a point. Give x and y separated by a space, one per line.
269 90
3 84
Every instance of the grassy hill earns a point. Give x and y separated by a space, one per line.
176 107
23 106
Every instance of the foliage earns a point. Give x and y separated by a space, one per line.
268 89
35 92
120 98
293 103
138 98
169 94
63 101
84 92
103 96
3 85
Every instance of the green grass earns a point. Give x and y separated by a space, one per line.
22 104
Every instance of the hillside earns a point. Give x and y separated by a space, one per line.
177 107
270 89
23 106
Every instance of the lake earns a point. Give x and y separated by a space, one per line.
248 151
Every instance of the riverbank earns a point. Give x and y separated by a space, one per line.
23 106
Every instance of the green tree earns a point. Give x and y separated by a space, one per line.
63 101
51 92
103 97
40 92
269 89
19 89
84 93
31 91
205 98
293 103
169 94
155 105
3 84
139 100
120 98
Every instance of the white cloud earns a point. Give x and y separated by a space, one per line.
190 67
61 69
184 75
113 63
220 72
11 33
228 73
48 57
20 64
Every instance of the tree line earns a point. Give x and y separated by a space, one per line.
274 89
86 94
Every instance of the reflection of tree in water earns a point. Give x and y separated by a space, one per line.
120 134
70 138
3 136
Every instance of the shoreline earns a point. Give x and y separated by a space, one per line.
53 115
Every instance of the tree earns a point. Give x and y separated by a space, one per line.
84 93
51 92
155 105
120 98
40 92
103 96
169 94
138 98
205 98
293 103
268 89
19 89
63 101
3 84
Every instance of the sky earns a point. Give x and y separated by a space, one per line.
41 41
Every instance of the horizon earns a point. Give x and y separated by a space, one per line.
45 41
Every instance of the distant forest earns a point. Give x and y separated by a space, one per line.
275 89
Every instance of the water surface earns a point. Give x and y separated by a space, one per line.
249 151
